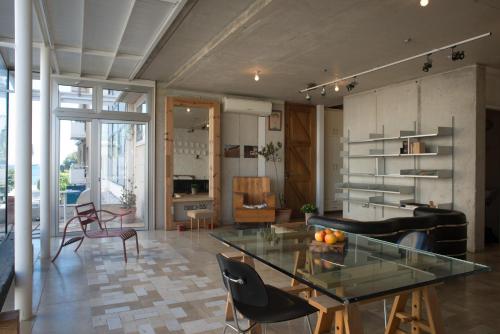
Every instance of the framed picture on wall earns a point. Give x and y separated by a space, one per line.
250 151
275 121
231 151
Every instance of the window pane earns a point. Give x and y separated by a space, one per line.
123 101
75 97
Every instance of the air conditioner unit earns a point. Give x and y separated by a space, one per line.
248 107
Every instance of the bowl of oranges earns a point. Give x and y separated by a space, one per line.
328 240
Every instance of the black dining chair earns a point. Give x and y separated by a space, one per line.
257 302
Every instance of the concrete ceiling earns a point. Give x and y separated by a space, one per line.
221 43
195 119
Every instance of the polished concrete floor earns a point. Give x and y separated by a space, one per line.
174 286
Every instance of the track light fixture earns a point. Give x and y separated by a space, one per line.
188 109
351 85
308 97
428 64
457 55
424 3
323 91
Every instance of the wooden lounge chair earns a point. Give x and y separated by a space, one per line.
86 214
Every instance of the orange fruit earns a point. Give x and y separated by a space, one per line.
328 231
339 235
330 239
319 236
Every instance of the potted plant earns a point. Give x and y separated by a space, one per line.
271 153
194 188
309 210
128 201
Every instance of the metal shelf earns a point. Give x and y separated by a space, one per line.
408 173
442 131
375 153
378 188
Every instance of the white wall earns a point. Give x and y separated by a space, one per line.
235 129
333 162
425 103
187 163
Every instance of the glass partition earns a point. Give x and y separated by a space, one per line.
123 101
74 97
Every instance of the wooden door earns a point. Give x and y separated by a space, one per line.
300 156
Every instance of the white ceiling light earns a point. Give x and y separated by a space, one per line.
424 3
256 77
188 110
337 88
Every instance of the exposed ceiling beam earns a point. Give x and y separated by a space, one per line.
82 38
120 37
43 22
165 25
223 35
9 43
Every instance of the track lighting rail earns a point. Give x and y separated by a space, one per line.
423 54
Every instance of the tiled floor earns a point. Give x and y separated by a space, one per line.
174 287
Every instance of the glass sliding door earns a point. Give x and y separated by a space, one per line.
74 182
124 171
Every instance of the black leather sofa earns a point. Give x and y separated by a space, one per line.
446 228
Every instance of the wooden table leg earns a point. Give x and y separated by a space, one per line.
433 312
398 306
324 322
229 309
339 322
300 262
416 311
352 320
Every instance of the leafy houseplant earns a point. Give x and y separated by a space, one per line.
194 188
309 210
128 197
271 153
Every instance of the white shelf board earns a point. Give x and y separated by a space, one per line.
442 131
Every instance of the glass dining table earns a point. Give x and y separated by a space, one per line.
358 270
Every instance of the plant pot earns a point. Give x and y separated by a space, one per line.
194 191
283 216
130 218
309 215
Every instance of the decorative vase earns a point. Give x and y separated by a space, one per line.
309 215
283 216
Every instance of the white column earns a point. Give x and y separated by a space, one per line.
22 127
45 152
320 159
261 141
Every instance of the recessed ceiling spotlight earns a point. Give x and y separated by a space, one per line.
323 91
336 88
428 64
256 76
424 3
188 109
457 55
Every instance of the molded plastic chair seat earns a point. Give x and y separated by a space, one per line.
282 307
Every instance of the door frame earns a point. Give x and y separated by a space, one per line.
214 155
95 116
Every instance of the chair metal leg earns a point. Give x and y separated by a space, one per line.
137 243
124 251
385 313
81 241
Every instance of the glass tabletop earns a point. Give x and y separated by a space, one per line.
357 269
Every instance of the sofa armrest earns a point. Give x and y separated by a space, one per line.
270 200
238 200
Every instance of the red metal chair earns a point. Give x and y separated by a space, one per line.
86 214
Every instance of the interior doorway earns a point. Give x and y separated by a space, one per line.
195 118
492 177
300 156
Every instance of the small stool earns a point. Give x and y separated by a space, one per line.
201 214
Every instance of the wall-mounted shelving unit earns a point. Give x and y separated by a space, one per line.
380 173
